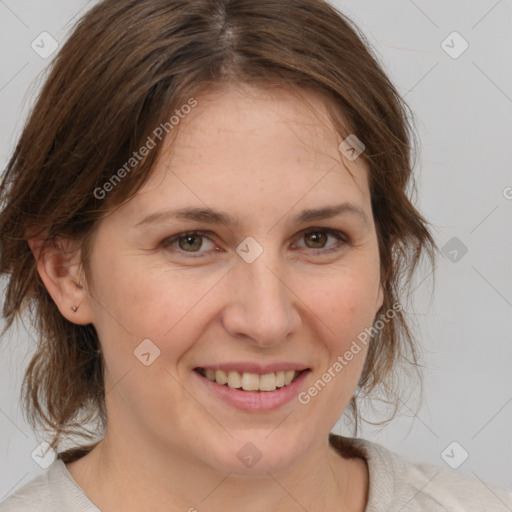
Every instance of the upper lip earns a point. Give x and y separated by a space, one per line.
253 367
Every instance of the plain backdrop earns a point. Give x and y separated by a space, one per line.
463 106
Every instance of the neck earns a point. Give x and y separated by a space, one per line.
170 480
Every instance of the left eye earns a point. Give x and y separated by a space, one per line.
192 241
319 237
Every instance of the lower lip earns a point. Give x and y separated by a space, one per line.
255 401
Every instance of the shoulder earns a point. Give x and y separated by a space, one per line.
397 483
53 491
35 493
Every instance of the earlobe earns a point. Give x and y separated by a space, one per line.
58 264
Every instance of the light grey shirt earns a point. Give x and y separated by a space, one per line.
396 484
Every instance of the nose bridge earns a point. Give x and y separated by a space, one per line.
264 304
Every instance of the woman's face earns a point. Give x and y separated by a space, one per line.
268 289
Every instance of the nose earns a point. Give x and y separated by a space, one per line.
262 307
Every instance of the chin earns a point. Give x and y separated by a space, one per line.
257 452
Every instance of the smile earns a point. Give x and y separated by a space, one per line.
250 391
250 381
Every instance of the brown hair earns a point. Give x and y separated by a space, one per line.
126 68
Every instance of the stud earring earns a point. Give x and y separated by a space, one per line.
74 308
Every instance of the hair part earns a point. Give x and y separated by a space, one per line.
127 67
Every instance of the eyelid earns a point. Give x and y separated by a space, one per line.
342 237
170 240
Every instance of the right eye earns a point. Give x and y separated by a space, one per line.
189 242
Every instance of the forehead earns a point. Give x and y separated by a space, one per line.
245 124
254 150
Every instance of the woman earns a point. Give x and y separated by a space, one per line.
211 234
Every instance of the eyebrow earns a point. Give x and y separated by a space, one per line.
211 216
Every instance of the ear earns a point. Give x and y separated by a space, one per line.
58 264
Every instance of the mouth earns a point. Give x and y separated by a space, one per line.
247 381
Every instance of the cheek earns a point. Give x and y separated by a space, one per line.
354 311
135 301
345 306
346 302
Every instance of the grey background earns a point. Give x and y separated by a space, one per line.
463 109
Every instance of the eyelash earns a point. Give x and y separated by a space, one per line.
342 238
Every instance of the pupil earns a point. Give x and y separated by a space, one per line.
189 242
318 238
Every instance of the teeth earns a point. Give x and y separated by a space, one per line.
234 380
288 377
252 381
268 382
220 376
